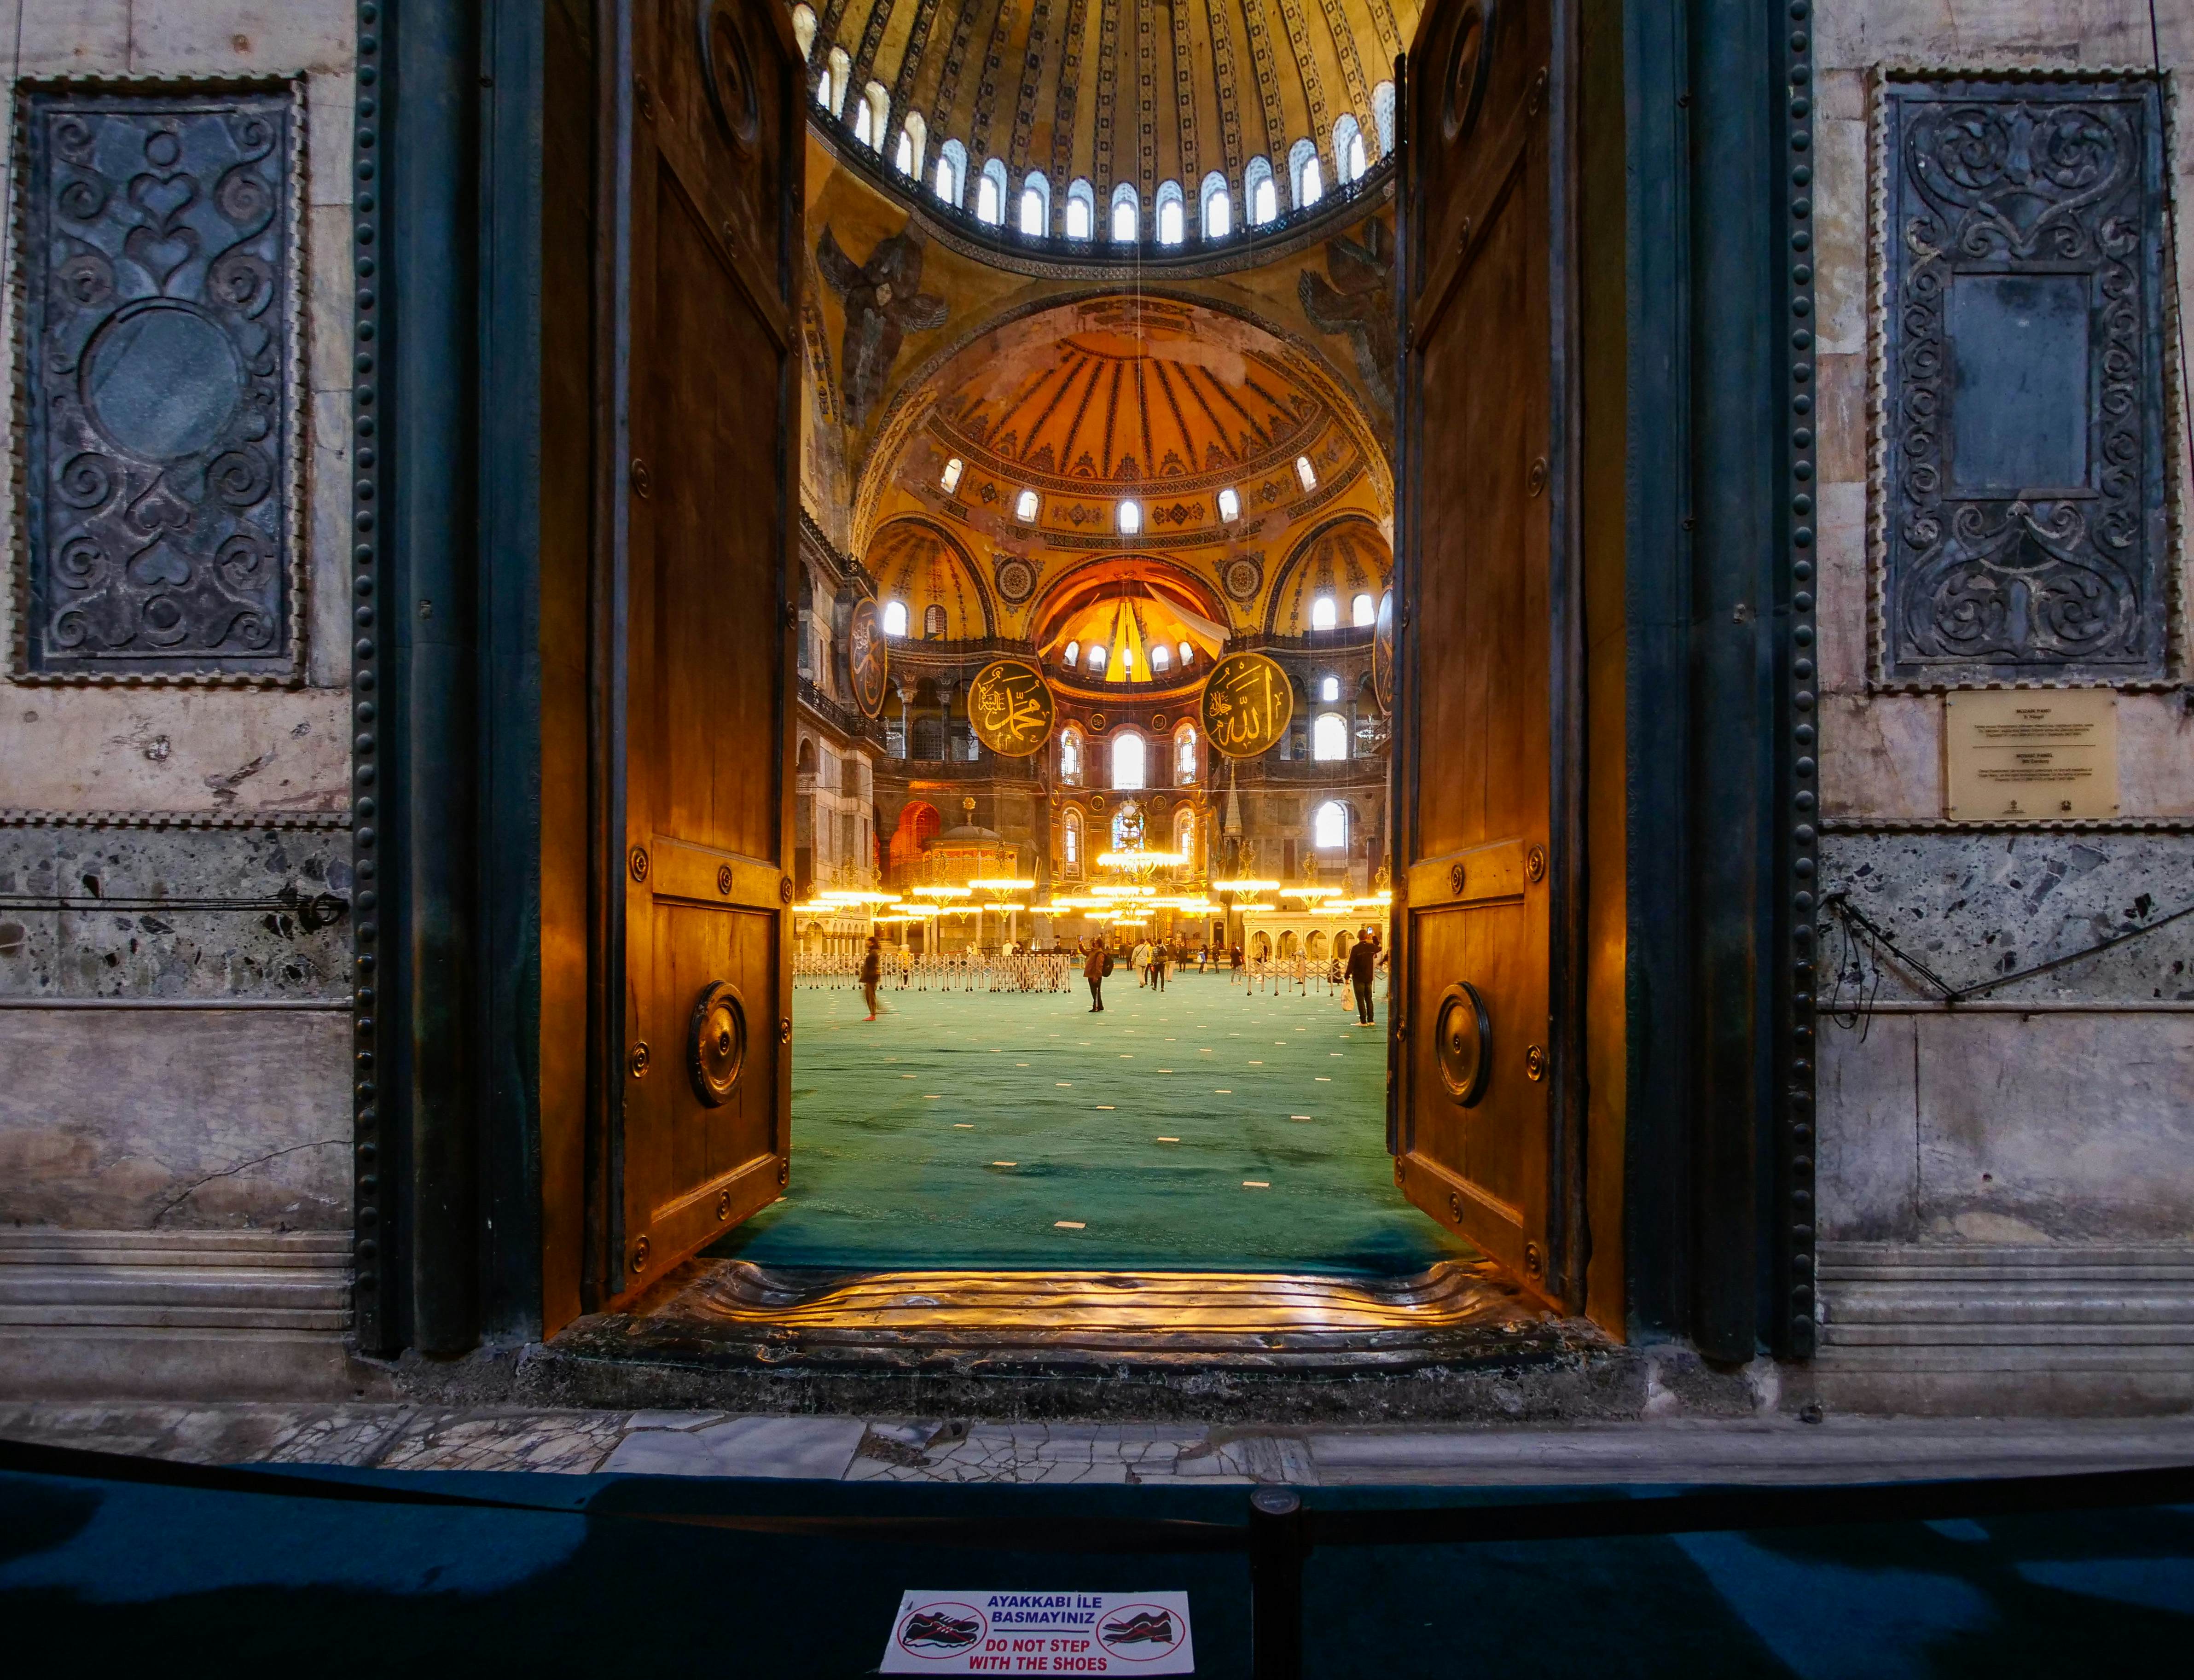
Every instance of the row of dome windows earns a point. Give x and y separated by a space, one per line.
1324 615
1129 515
1329 832
1306 171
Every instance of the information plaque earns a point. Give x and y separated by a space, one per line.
2030 755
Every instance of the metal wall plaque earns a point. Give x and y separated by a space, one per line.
1010 708
1247 703
2030 755
157 366
2020 524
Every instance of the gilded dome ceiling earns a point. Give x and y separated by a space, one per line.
930 575
1347 559
1140 92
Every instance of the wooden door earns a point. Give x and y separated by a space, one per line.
703 213
1482 1069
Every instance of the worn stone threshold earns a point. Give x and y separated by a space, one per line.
1461 1341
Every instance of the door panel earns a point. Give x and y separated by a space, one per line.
1480 677
705 383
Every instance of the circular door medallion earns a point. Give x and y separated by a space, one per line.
1009 706
1469 60
868 657
1247 703
729 73
718 1049
1382 655
1462 1040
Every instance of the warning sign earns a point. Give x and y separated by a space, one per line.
1041 1633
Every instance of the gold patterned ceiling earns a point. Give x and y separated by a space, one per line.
1113 91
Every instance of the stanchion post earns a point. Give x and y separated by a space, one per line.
1276 1572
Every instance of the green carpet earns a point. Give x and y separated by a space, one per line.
962 1128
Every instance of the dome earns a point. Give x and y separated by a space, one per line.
922 569
1344 560
1106 95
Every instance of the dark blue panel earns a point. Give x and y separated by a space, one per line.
2019 398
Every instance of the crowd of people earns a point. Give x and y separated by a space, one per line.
1017 967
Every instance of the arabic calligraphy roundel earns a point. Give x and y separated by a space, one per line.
1382 655
1010 706
1247 703
868 657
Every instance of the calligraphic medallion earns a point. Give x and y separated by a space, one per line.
868 657
1009 703
1382 654
1247 703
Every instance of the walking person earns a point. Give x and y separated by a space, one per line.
1161 955
1363 963
872 971
1093 971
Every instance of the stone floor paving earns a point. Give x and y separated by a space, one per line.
853 1449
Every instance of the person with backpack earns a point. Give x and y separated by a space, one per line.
1094 971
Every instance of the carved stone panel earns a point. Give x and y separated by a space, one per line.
157 370
2020 526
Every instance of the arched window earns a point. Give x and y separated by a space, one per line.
1383 116
1081 211
1096 657
933 622
1329 737
1349 161
1364 611
1024 507
1304 175
837 82
872 121
913 144
804 765
1161 657
1127 215
894 617
803 29
1262 191
1329 827
1183 756
1172 221
1131 518
1230 505
1217 205
1187 654
1329 687
1323 615
1129 766
1069 755
991 194
1073 652
823 89
952 172
1127 664
1036 206
1184 836
1070 842
1307 473
949 480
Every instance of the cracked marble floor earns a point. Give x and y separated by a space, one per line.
945 1450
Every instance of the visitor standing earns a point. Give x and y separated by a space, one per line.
872 971
1161 954
1363 963
1093 971
1233 964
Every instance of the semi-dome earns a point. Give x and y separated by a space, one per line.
1051 117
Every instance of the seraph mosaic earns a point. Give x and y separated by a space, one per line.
157 359
2021 525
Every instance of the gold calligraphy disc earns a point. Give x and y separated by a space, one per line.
1247 703
1009 706
868 657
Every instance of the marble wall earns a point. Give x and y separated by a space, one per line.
183 1065
2055 1110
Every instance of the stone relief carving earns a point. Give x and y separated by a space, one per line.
2019 519
158 368
1356 296
883 304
